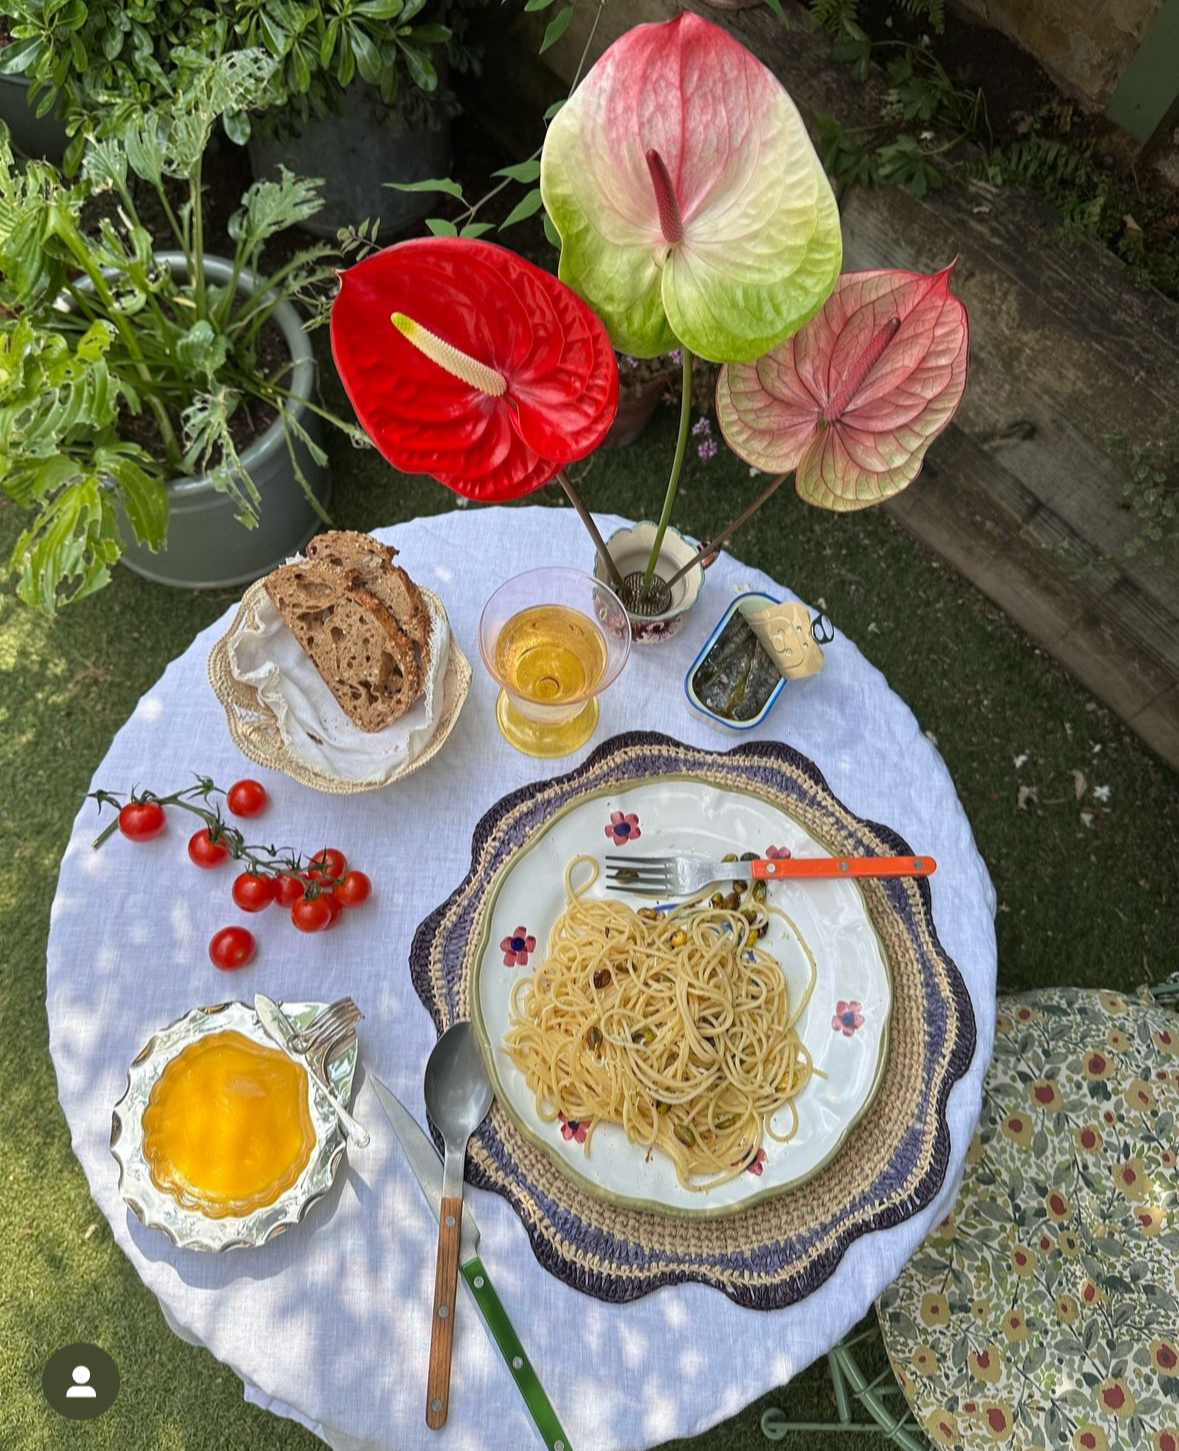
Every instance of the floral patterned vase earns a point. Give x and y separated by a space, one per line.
1043 1312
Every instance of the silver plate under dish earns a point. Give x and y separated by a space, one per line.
188 1228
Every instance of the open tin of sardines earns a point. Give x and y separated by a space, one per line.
743 667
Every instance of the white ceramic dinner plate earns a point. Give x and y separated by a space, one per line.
845 1025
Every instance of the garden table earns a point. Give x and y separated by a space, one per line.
328 1324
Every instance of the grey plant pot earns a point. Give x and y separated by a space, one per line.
32 135
207 547
356 153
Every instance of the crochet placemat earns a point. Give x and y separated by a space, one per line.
893 1165
253 726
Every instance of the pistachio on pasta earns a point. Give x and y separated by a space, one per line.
593 1037
679 938
685 1136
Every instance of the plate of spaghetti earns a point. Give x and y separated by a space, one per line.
691 1057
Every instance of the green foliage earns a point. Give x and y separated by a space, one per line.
900 162
101 344
903 163
1151 489
838 15
88 56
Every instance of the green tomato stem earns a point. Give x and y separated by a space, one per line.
677 467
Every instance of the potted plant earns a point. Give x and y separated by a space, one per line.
155 398
356 92
34 126
364 102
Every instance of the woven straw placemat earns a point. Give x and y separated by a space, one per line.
894 1161
254 726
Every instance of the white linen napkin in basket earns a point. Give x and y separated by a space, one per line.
313 726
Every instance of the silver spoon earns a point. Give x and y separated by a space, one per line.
458 1096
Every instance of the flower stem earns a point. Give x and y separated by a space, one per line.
712 545
677 467
594 532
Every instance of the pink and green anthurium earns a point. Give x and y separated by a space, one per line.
690 203
853 400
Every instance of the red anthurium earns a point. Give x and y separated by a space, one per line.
466 362
853 400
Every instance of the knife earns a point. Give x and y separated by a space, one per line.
426 1164
278 1026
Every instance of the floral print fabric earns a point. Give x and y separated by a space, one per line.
1043 1312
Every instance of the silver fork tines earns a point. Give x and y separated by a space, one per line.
327 1033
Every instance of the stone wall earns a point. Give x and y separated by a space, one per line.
1084 44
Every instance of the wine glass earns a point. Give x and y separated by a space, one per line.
554 639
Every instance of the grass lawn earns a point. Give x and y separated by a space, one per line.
1086 881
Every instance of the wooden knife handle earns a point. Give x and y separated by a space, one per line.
450 1222
844 866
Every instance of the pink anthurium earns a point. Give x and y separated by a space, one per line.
853 400
691 206
466 362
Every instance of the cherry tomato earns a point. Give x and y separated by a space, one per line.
232 948
312 914
247 798
328 863
204 851
253 891
287 889
354 889
141 820
334 906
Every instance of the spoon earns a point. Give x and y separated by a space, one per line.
458 1097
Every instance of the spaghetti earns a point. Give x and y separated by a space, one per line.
676 1025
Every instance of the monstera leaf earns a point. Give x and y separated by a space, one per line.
691 206
852 402
466 362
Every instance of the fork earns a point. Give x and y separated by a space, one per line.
326 1034
681 876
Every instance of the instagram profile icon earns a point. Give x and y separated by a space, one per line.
80 1381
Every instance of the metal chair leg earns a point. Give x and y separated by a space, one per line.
852 1387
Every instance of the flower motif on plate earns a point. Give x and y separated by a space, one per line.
516 947
623 827
777 853
572 1129
847 1018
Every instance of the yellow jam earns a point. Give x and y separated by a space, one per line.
227 1127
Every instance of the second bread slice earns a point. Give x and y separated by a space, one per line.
364 658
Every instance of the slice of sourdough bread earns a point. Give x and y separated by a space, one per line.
373 563
366 661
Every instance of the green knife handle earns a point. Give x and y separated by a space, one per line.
496 1319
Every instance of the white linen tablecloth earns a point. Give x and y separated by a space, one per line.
329 1324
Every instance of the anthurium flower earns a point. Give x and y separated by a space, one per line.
466 362
852 402
690 202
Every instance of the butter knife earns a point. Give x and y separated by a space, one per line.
426 1164
279 1027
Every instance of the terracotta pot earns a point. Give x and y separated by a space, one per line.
635 407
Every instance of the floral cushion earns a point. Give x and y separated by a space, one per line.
1044 1311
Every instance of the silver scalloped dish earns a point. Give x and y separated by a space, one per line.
189 1228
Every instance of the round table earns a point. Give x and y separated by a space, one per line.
329 1323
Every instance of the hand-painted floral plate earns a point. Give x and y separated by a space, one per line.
844 1025
774 1250
186 1227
